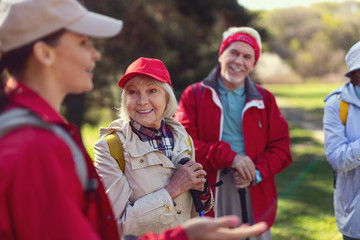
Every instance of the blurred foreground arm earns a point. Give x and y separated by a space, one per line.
220 228
207 228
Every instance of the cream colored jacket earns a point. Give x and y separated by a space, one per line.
139 201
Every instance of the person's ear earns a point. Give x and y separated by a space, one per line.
43 53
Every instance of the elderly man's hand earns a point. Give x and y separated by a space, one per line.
245 167
239 181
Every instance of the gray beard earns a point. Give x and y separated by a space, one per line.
233 80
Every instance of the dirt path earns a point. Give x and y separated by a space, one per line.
311 120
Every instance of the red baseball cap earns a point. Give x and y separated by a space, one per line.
147 66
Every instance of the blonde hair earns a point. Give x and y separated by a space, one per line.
248 30
171 105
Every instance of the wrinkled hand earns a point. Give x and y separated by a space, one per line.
245 167
206 228
189 176
239 181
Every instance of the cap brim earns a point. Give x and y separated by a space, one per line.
122 82
96 25
351 70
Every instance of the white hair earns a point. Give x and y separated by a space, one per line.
248 30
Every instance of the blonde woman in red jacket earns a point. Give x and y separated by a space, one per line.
240 136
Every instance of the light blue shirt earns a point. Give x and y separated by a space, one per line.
233 102
357 91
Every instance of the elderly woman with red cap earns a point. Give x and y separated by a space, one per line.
152 192
240 136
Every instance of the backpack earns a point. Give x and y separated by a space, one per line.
344 107
21 117
117 151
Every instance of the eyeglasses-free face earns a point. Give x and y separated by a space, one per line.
145 101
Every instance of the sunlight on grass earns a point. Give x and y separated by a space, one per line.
306 96
305 190
303 225
90 136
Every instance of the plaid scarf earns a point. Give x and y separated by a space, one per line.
160 139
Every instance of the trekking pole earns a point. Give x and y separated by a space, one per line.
195 193
244 214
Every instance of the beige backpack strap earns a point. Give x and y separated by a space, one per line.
344 106
116 149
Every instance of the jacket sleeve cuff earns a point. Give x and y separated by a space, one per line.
177 233
229 159
258 177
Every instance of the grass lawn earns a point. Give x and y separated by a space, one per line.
305 188
305 191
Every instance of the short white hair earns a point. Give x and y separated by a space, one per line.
171 105
248 30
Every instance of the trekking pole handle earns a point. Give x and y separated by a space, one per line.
195 193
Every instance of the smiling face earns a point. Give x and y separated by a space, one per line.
74 62
145 101
237 61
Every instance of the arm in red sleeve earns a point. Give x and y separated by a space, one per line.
177 233
211 153
277 155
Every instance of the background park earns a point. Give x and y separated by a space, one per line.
302 61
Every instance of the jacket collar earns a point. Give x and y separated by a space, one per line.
24 97
346 94
134 144
250 87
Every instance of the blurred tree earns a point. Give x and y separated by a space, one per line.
313 40
184 34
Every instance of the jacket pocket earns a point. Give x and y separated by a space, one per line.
347 192
158 218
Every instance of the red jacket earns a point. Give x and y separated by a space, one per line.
266 138
41 195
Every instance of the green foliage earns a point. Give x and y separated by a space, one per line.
313 40
325 32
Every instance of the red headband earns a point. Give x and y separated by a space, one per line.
242 37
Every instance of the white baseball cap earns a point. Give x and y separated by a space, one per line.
24 21
352 58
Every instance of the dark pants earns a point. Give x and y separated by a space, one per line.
349 238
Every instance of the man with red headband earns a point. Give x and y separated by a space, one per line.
240 136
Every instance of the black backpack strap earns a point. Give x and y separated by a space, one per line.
20 117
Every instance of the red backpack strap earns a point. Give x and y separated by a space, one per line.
262 91
198 89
